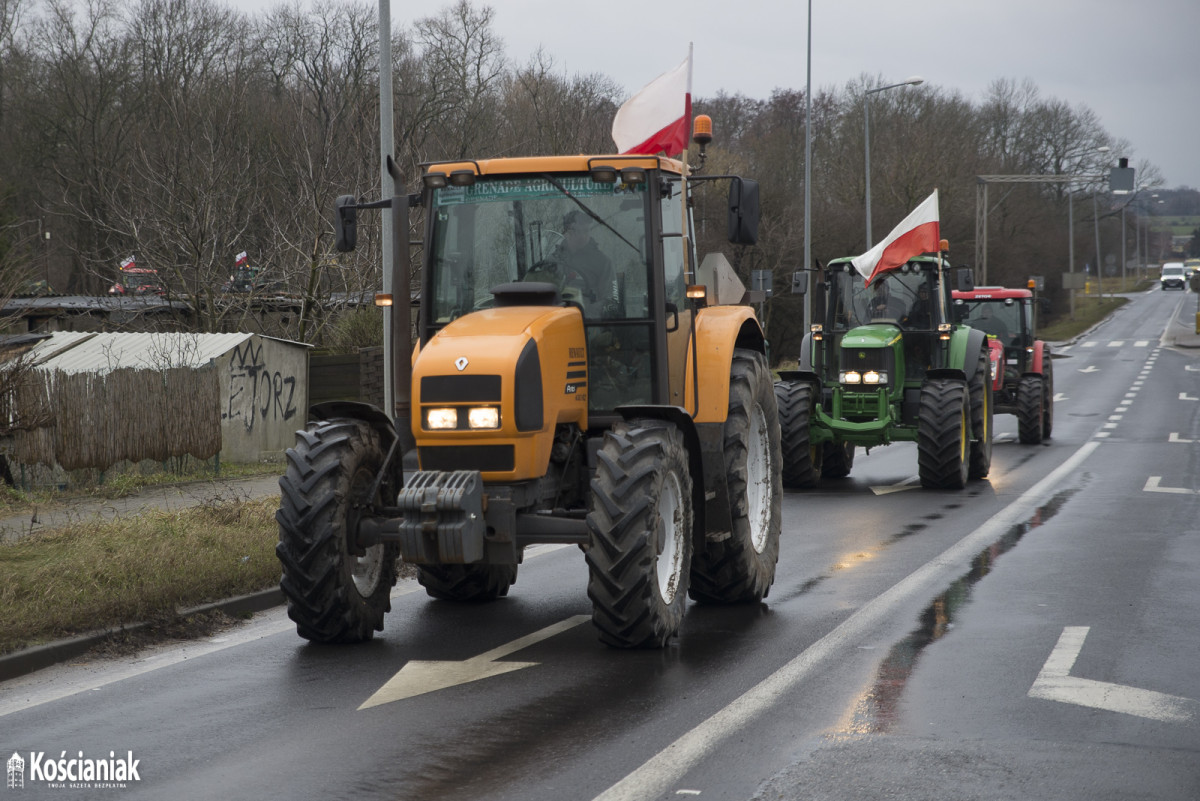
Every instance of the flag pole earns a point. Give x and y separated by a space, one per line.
689 275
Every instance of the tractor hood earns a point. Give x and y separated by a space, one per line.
490 388
875 335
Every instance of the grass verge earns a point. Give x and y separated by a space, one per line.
16 501
1089 310
98 575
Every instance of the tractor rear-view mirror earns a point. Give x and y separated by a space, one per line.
743 211
345 223
966 279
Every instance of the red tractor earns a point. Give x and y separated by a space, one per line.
1022 372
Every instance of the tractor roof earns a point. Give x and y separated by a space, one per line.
992 293
552 164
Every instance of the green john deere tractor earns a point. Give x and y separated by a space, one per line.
888 364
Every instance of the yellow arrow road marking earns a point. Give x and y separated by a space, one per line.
420 677
906 484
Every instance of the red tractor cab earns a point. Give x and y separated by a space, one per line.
137 281
1022 372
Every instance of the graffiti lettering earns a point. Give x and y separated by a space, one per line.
255 391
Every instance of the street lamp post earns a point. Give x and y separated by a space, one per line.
913 81
1096 223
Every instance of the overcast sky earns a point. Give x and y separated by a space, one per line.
1136 64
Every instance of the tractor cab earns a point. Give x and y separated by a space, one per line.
600 235
882 334
1023 377
1005 314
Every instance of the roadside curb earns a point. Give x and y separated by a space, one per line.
30 660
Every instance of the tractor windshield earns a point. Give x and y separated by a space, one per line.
906 297
587 238
998 318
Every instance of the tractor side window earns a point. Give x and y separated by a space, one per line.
672 245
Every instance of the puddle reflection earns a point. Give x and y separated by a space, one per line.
878 710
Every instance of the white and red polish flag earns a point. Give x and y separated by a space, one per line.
658 118
917 233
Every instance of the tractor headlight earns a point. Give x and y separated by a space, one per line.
441 419
483 417
851 377
874 377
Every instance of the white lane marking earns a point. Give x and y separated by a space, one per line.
664 770
1176 438
1055 683
1091 368
1117 343
1091 344
1185 396
1152 486
418 677
1059 397
1141 343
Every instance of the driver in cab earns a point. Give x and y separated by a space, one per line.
582 266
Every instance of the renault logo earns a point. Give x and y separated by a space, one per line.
461 363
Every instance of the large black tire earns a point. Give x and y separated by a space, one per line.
980 389
801 460
333 595
466 582
741 567
838 460
641 534
943 434
1047 394
1031 410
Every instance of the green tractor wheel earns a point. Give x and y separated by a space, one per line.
943 434
802 461
980 388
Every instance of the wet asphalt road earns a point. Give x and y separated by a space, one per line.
1031 637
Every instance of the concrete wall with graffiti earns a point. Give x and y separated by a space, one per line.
264 398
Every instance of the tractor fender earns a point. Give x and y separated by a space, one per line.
806 354
696 454
719 330
1041 354
369 413
965 343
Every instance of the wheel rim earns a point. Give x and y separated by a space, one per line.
964 434
987 417
668 566
758 479
365 570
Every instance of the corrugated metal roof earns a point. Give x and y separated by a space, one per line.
74 352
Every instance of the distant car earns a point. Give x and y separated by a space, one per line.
1190 268
1171 276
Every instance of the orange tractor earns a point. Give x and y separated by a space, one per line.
577 378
